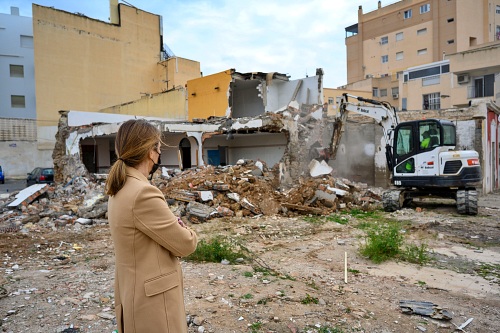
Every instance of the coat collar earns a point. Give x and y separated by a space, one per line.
133 172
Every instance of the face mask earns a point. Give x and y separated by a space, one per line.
155 165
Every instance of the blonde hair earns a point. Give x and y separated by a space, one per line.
134 141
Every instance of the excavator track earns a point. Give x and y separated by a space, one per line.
467 202
392 200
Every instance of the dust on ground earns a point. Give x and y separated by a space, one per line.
60 279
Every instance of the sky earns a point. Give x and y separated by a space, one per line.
293 37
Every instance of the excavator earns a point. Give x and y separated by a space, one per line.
421 156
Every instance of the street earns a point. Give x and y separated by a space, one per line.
12 185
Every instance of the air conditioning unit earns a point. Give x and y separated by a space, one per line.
395 96
369 76
463 78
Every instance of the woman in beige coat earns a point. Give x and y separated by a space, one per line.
147 237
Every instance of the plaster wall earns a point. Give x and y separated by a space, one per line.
208 96
266 147
280 94
20 157
171 105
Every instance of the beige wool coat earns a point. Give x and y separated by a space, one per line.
148 240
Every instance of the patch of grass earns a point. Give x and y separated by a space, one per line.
383 242
247 296
421 283
328 329
415 254
489 272
255 327
309 299
353 271
314 219
248 274
215 250
337 219
361 214
363 225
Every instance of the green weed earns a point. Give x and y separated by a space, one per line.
353 271
361 214
337 219
309 299
247 296
415 254
383 242
248 274
489 272
255 327
314 219
215 250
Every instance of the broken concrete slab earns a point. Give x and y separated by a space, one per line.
428 309
198 212
319 168
26 196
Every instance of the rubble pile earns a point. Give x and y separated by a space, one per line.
79 202
248 188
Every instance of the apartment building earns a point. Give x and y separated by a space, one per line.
409 40
17 87
17 95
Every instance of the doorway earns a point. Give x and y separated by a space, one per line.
185 148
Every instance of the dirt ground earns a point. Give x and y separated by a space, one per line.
61 279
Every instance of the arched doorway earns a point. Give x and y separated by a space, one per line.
185 148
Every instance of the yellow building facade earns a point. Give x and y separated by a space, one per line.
209 96
86 64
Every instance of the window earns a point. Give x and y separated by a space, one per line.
395 91
17 101
385 58
407 14
383 92
429 134
422 51
483 86
375 92
404 140
451 20
399 36
451 41
384 40
430 80
399 55
431 101
27 41
330 100
425 8
497 33
498 9
421 31
16 71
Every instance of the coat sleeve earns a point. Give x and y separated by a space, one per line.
154 218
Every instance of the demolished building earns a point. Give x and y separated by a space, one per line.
259 116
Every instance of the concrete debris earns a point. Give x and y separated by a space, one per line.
248 189
26 196
428 309
317 168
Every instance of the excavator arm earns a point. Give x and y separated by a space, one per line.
382 112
